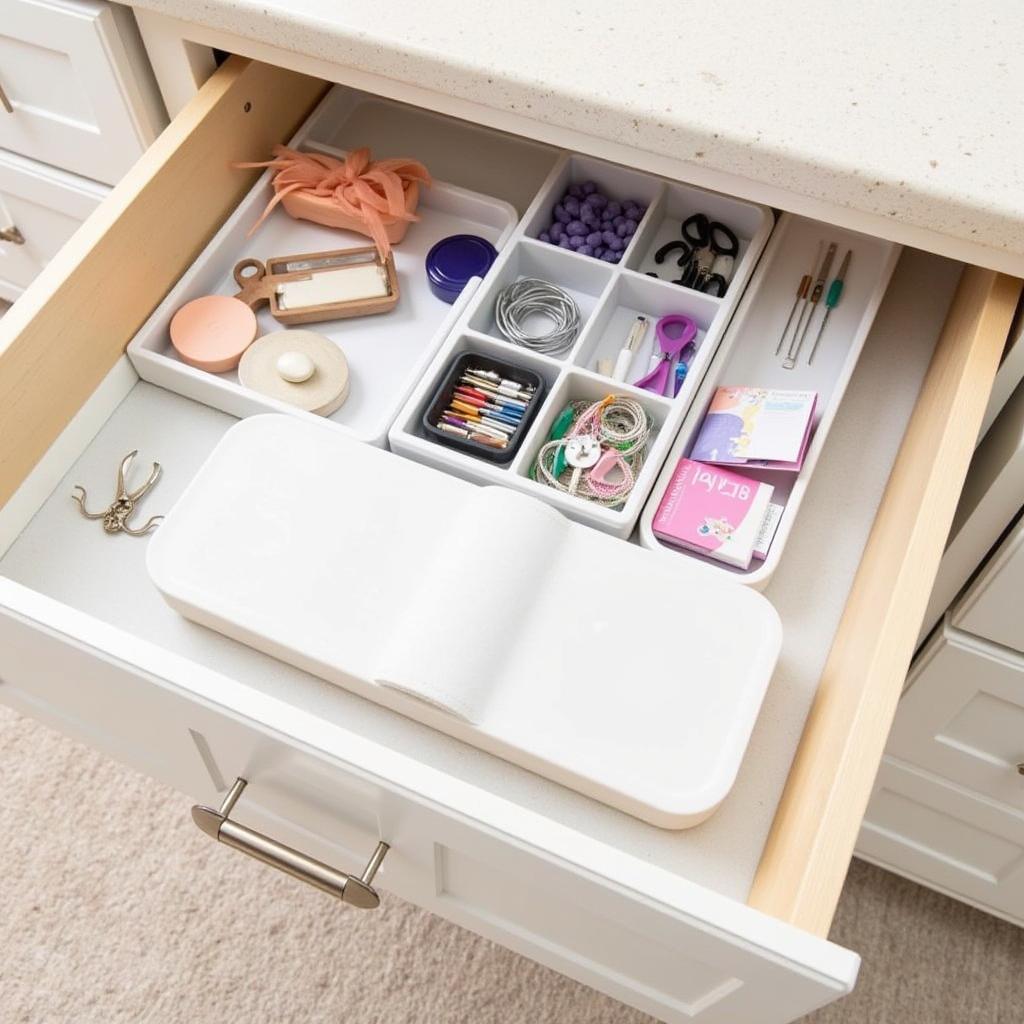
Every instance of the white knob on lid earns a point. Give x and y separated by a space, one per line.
295 367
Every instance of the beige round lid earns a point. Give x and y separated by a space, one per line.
302 368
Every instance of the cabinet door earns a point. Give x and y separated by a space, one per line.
962 716
79 94
947 838
993 606
40 209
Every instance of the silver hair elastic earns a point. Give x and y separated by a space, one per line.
530 296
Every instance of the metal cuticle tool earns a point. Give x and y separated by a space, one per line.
811 303
835 291
801 294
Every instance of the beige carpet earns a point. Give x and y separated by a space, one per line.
114 908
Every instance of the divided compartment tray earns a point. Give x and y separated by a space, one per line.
443 395
747 357
386 353
609 296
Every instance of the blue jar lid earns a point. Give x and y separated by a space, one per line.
454 260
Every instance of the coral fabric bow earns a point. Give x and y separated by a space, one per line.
368 190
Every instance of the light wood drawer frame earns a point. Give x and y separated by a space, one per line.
73 323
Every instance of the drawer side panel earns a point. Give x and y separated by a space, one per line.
75 320
812 838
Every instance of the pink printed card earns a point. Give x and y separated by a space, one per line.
714 511
760 427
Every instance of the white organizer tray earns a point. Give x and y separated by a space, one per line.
371 595
610 297
386 353
747 357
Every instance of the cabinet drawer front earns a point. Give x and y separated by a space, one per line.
991 608
45 207
946 837
962 716
76 100
694 956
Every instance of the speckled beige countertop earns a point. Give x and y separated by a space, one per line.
910 111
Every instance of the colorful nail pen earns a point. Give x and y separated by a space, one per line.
483 403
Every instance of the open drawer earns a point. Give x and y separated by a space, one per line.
720 924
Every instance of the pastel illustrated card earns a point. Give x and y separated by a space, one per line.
714 511
761 427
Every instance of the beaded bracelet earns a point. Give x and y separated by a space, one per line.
607 437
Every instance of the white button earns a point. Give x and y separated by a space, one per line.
582 452
295 367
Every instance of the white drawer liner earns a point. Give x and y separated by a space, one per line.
60 554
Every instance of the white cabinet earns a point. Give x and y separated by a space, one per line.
40 209
992 496
962 716
948 805
946 837
79 93
993 606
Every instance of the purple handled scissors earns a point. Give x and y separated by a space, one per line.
661 380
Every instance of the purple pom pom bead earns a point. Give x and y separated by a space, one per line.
613 209
609 237
597 201
576 227
588 187
556 231
610 256
586 250
544 236
562 214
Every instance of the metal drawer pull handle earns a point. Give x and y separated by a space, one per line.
354 890
5 101
13 235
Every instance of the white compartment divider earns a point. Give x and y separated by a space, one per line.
397 358
610 296
747 357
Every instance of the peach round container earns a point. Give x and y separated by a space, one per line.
211 333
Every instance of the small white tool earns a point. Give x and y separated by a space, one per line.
625 358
